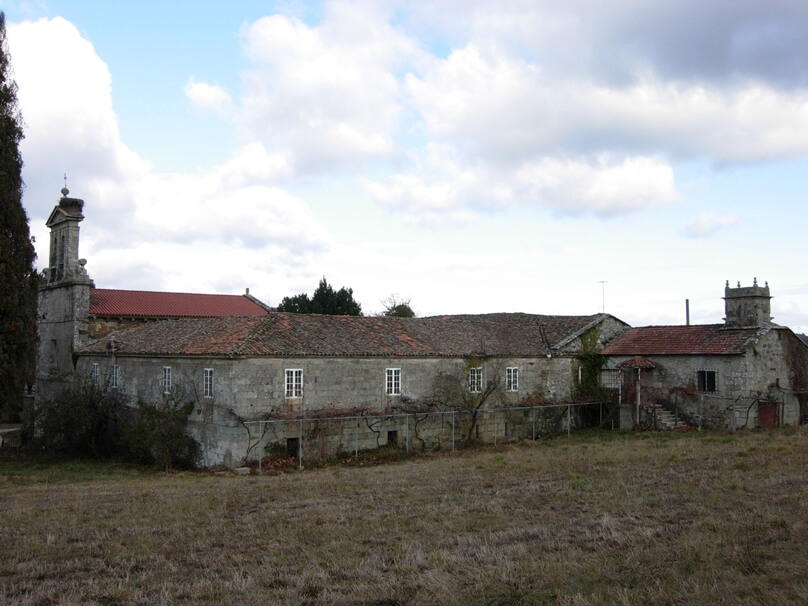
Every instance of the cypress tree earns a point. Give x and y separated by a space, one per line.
18 278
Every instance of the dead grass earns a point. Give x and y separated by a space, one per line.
594 519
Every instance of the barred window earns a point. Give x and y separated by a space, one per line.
114 374
706 380
94 374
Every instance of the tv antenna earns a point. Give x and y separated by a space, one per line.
603 295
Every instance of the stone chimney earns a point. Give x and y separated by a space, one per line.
747 306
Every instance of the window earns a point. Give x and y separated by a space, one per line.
294 383
512 379
207 385
392 384
475 380
166 379
706 380
94 374
113 376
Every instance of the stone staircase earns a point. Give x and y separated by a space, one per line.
665 419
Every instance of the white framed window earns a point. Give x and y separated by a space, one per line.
476 379
114 376
94 374
707 380
166 379
207 383
511 378
392 381
294 383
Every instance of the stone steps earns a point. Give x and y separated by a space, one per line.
665 419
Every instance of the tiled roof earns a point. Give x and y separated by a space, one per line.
286 334
146 304
712 339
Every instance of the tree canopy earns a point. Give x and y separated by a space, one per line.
18 279
397 308
325 300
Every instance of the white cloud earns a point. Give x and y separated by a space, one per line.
708 223
64 92
145 229
209 96
328 93
604 186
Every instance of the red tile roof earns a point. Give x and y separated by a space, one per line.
712 339
145 304
286 334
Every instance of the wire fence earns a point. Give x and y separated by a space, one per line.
314 438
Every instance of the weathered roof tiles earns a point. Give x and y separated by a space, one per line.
710 339
286 334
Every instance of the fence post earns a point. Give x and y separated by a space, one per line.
569 420
260 447
453 430
356 438
534 423
300 444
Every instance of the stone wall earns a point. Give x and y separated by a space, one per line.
254 389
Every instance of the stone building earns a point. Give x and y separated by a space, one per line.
239 370
71 312
746 372
254 374
240 362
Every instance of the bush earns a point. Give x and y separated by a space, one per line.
87 420
82 421
157 435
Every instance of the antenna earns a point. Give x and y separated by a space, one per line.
603 295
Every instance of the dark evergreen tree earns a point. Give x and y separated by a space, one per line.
325 300
18 279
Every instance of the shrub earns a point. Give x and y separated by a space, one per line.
157 434
84 420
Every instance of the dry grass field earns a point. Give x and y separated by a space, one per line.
600 518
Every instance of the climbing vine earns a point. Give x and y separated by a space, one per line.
590 361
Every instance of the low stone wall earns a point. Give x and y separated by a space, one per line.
314 439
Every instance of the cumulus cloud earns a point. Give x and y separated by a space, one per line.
706 224
209 96
603 186
64 92
235 214
329 93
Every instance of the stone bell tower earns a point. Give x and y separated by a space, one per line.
747 307
64 299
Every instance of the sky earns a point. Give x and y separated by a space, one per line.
469 156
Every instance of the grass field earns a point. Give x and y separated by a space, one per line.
598 518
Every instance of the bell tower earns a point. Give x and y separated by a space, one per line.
747 307
63 301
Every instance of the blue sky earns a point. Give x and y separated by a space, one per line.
468 156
